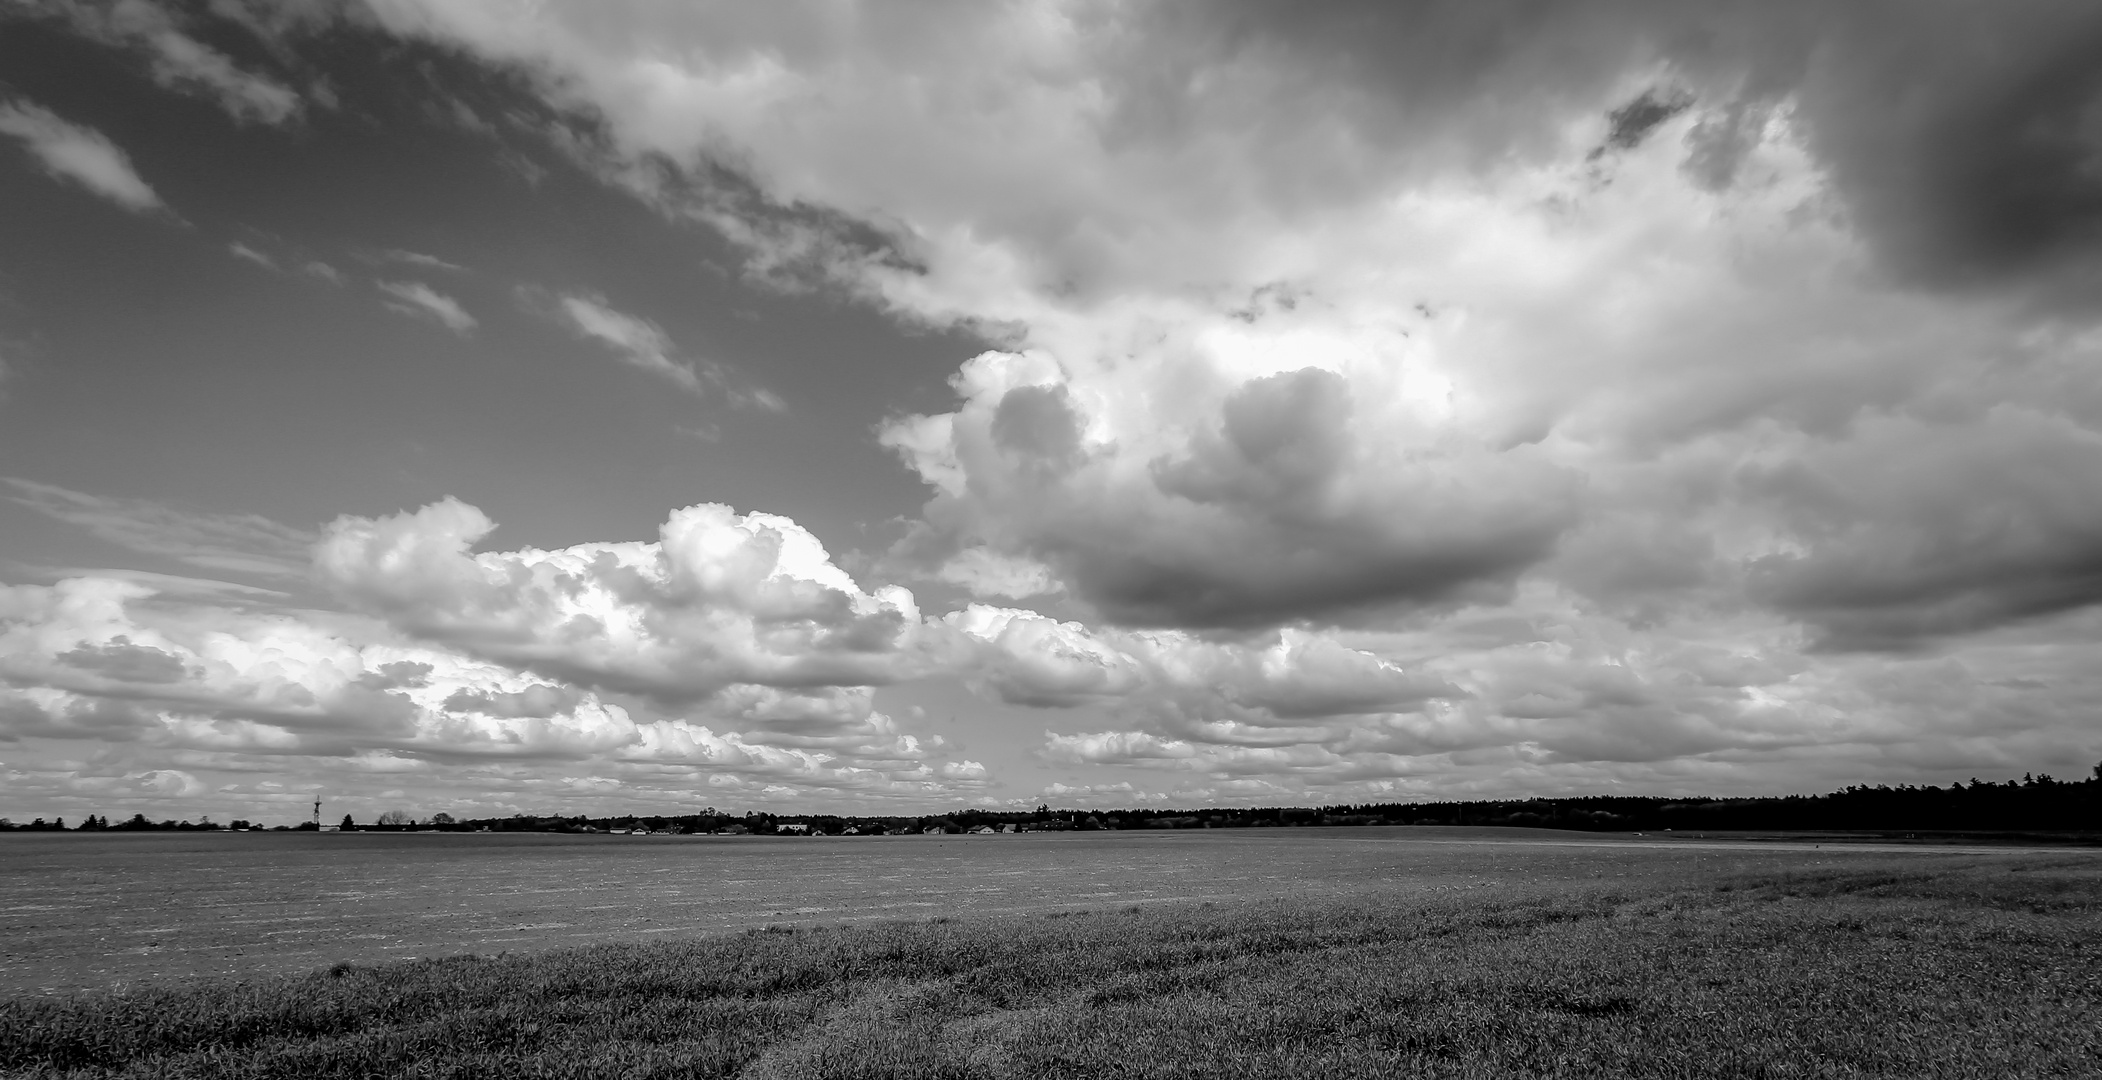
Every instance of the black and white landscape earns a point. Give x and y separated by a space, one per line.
1061 411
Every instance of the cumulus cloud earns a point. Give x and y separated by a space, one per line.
1389 398
105 662
718 600
79 154
1320 321
1270 509
416 299
1629 374
1182 679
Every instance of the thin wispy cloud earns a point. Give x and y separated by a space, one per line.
242 251
419 300
636 341
645 346
237 543
78 154
417 258
181 62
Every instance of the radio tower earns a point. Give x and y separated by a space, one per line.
317 813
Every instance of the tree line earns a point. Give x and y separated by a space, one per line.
2031 805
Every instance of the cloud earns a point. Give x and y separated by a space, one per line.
417 258
160 682
179 61
644 345
242 251
638 342
1272 508
1388 399
719 599
1577 359
1179 678
417 299
237 543
82 155
1916 529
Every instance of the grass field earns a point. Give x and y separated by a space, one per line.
1880 966
90 911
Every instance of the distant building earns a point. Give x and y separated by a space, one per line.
793 828
984 830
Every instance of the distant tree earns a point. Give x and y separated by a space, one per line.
396 817
441 818
348 824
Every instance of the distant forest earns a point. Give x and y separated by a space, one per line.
2034 805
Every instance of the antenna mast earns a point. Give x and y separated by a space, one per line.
317 811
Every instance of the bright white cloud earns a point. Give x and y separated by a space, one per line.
420 300
720 599
160 682
79 154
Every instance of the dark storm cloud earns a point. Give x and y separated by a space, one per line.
1968 137
1916 531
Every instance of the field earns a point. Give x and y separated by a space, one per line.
1346 953
87 910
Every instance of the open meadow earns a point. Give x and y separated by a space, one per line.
80 911
1350 952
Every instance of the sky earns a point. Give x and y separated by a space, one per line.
498 407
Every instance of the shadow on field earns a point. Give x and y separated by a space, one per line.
1982 967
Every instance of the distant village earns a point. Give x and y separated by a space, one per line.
2042 806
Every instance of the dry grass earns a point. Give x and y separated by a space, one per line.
1914 967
